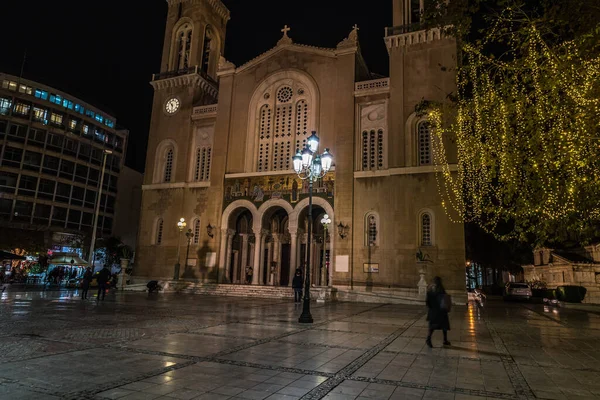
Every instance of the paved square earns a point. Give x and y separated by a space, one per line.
165 346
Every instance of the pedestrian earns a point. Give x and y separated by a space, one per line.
438 304
249 273
297 286
103 277
85 282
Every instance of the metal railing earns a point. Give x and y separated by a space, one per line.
185 71
400 29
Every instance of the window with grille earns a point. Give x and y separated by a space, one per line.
206 50
301 124
168 172
159 231
202 167
372 148
424 133
426 230
196 231
371 230
280 124
184 46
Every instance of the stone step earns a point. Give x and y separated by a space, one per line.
361 295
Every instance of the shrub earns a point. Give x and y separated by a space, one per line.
571 294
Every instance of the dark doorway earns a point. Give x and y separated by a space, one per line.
232 267
285 265
266 268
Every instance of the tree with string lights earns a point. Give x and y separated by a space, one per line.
525 118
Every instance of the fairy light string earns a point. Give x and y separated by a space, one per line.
525 135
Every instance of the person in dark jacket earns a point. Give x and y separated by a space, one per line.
85 282
436 315
297 286
103 277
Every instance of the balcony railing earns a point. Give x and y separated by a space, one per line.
185 71
204 111
400 29
374 86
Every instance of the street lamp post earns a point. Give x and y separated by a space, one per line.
97 212
189 235
180 225
325 221
312 167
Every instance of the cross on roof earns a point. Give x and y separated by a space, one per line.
355 27
285 30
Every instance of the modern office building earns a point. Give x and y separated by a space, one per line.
52 150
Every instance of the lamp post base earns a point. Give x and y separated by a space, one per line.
176 272
306 317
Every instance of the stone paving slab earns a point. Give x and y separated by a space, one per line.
53 345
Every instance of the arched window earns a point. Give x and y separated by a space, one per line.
159 231
424 142
202 165
207 49
168 170
371 230
165 158
426 229
372 149
183 44
196 231
282 126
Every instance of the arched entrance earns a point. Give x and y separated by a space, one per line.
272 240
321 250
241 248
276 258
237 242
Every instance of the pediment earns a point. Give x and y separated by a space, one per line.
300 48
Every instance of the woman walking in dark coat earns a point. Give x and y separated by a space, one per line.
437 315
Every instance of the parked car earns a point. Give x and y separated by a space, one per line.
517 291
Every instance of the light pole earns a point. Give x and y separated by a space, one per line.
311 168
97 212
180 225
189 235
325 221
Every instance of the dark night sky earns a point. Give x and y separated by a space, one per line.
104 52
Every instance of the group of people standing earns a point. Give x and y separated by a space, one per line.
103 278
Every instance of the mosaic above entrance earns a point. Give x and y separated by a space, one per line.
290 188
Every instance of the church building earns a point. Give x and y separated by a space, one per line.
220 151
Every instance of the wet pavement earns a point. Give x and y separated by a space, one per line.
165 346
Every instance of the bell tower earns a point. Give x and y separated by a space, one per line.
422 68
194 35
193 45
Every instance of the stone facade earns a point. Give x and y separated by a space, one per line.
580 267
220 149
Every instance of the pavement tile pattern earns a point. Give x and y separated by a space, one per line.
54 345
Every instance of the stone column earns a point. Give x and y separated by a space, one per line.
230 233
244 262
293 255
258 245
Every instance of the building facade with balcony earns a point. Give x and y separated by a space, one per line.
52 149
221 142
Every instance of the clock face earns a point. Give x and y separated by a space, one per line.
172 105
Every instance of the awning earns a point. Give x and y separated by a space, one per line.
66 258
5 255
